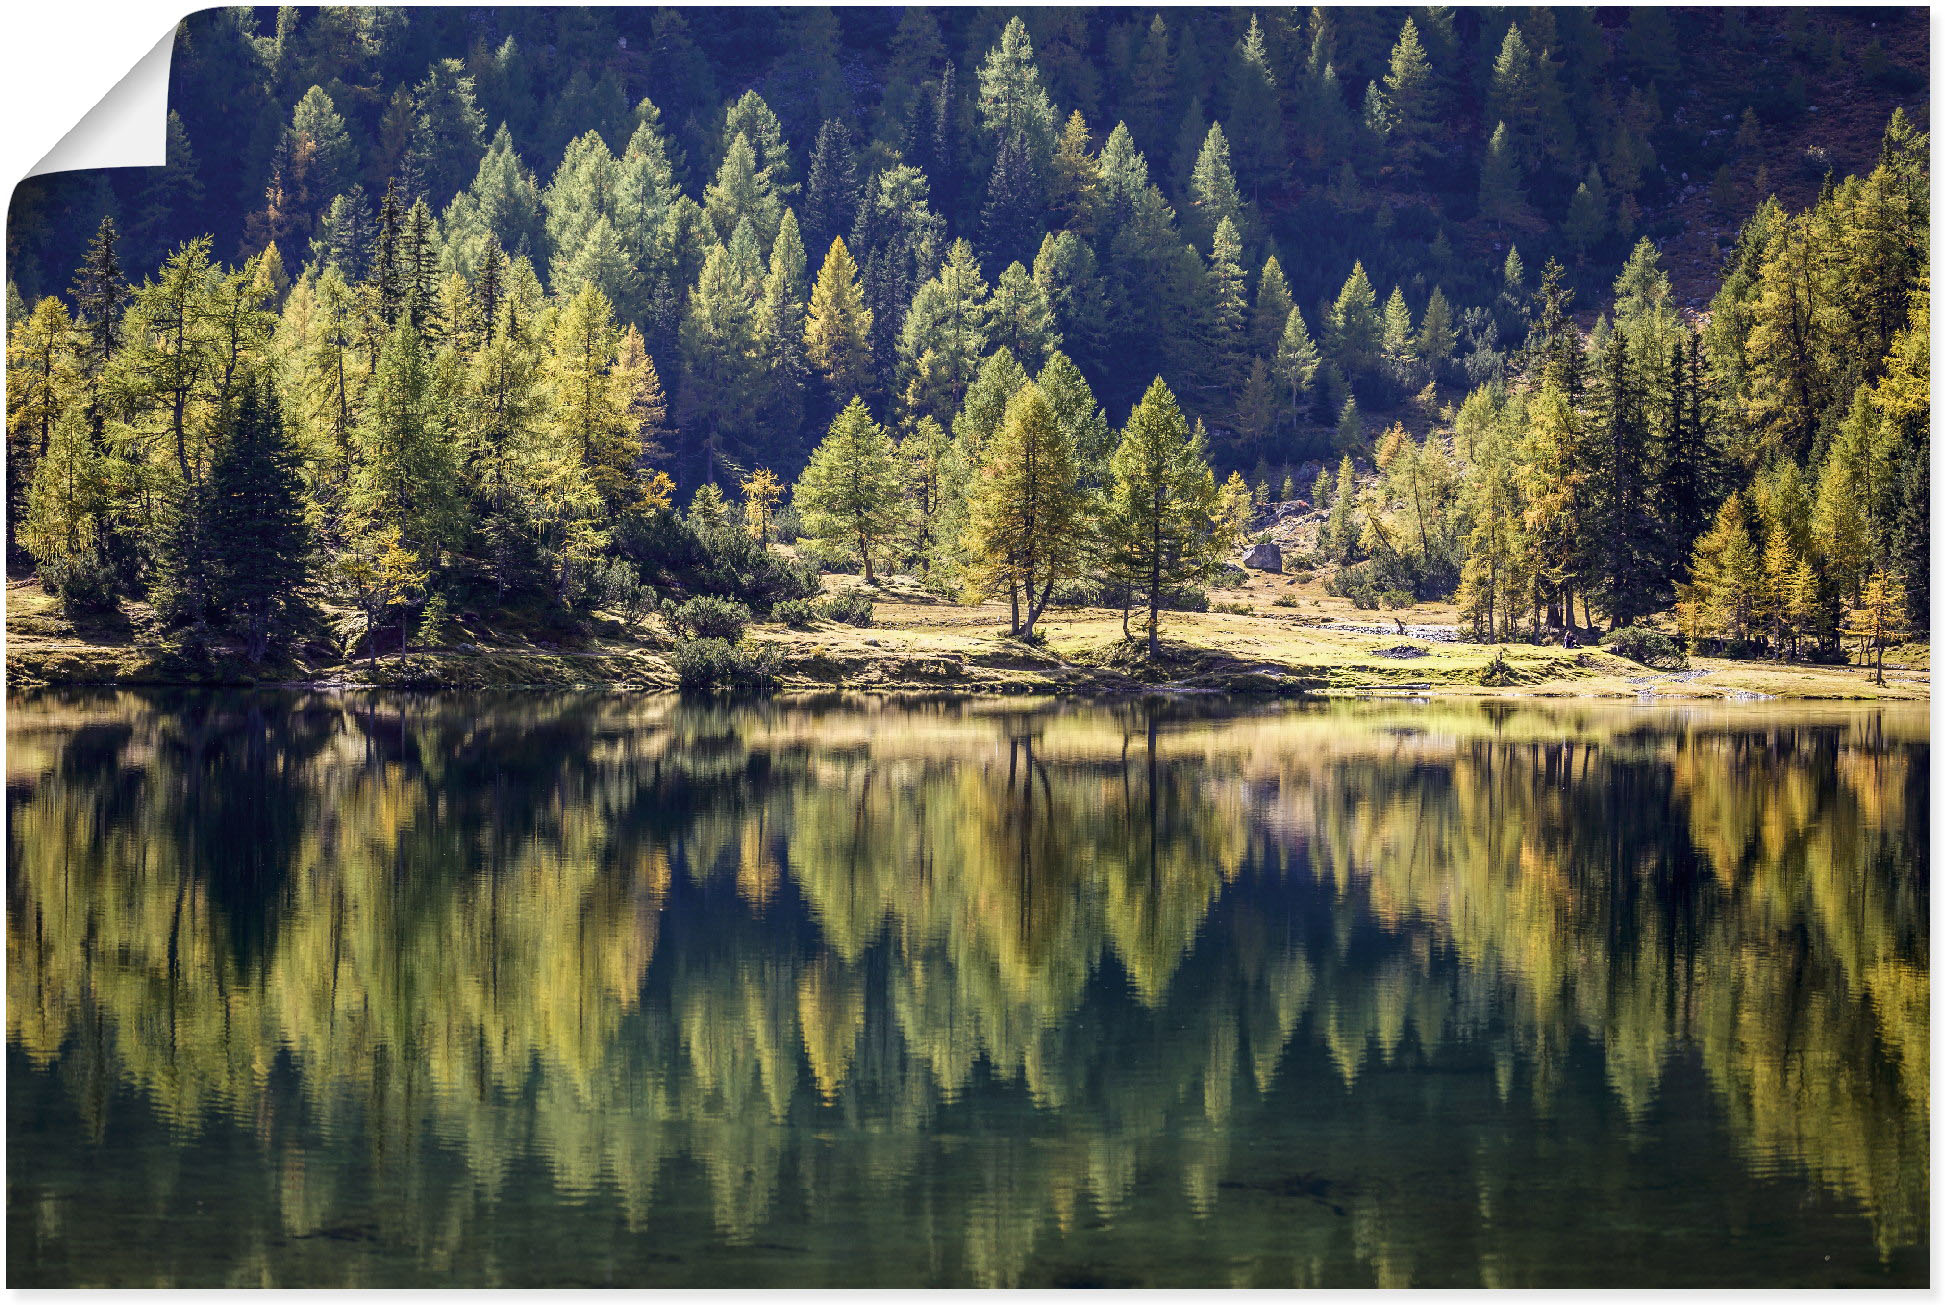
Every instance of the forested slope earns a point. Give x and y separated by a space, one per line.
439 309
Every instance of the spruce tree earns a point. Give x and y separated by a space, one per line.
1629 580
831 190
253 520
1013 216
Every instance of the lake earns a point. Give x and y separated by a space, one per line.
319 989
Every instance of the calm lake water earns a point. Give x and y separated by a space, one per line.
309 989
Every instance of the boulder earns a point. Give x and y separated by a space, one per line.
1265 557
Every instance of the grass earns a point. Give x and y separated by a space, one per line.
1273 634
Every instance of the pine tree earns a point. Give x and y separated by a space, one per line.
500 208
253 517
1513 98
1074 190
1158 527
1350 426
977 424
849 495
1235 505
1586 222
742 192
926 458
782 332
66 520
1687 464
100 293
592 403
1399 343
1437 336
945 335
1723 599
1026 530
448 131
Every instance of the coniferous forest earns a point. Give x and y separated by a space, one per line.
1579 321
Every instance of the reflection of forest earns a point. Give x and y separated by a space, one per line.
640 941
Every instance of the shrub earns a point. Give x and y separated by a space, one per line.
618 587
1233 607
1185 599
709 663
1498 671
707 617
673 557
799 613
850 608
1648 647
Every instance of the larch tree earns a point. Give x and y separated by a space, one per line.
1026 525
1159 526
849 494
837 330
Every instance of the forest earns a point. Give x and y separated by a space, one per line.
529 315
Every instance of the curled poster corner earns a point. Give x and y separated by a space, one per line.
128 127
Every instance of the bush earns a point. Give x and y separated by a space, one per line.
799 613
1185 599
674 558
714 664
707 617
1233 607
617 587
850 608
1648 647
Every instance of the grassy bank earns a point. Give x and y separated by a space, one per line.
1271 635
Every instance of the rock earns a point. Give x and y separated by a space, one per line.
1265 557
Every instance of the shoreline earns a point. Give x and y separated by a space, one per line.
808 667
1269 640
